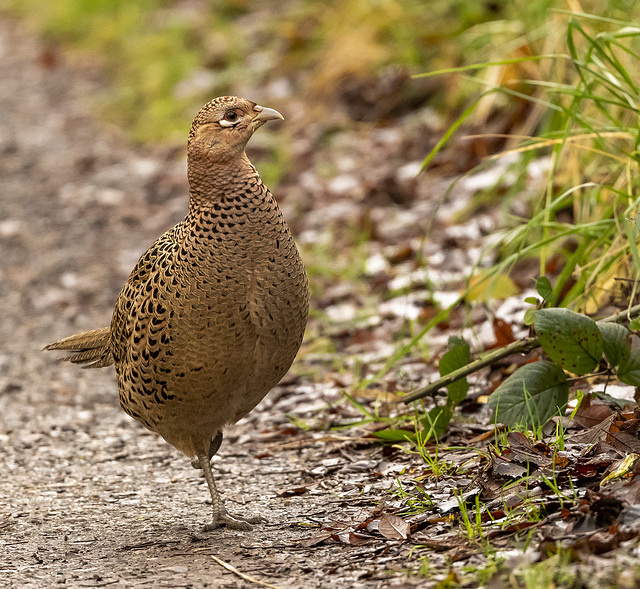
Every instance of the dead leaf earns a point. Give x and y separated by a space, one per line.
394 527
623 441
606 510
513 529
589 468
401 254
595 433
524 451
518 441
352 538
293 491
601 542
317 538
589 415
503 333
509 469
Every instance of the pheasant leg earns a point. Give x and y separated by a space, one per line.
220 515
213 449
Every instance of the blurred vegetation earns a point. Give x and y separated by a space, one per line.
579 102
165 58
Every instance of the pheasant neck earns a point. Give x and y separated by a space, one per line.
211 183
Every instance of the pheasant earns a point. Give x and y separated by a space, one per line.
215 310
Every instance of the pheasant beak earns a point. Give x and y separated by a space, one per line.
266 114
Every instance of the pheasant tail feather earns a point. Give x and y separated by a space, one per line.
90 348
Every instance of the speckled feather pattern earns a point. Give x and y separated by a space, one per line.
214 313
212 316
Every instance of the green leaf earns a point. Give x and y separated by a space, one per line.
457 356
395 435
544 288
435 422
533 394
617 342
529 317
569 339
629 369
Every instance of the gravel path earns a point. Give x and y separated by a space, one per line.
88 497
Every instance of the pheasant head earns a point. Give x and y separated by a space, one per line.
224 125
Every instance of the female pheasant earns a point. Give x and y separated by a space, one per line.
214 312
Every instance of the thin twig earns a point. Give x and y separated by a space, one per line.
233 569
520 347
623 315
524 345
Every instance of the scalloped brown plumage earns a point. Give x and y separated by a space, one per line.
214 312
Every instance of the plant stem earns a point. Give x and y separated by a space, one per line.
521 346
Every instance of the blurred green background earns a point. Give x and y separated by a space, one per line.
165 58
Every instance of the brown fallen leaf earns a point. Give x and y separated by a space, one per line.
293 491
503 333
352 538
518 441
401 254
513 529
623 441
589 415
595 433
394 527
629 494
316 539
509 469
600 542
522 450
589 468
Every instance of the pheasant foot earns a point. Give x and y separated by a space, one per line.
232 522
220 515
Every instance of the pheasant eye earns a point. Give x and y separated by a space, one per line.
231 118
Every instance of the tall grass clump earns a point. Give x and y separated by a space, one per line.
582 102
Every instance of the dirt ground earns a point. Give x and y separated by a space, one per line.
88 497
